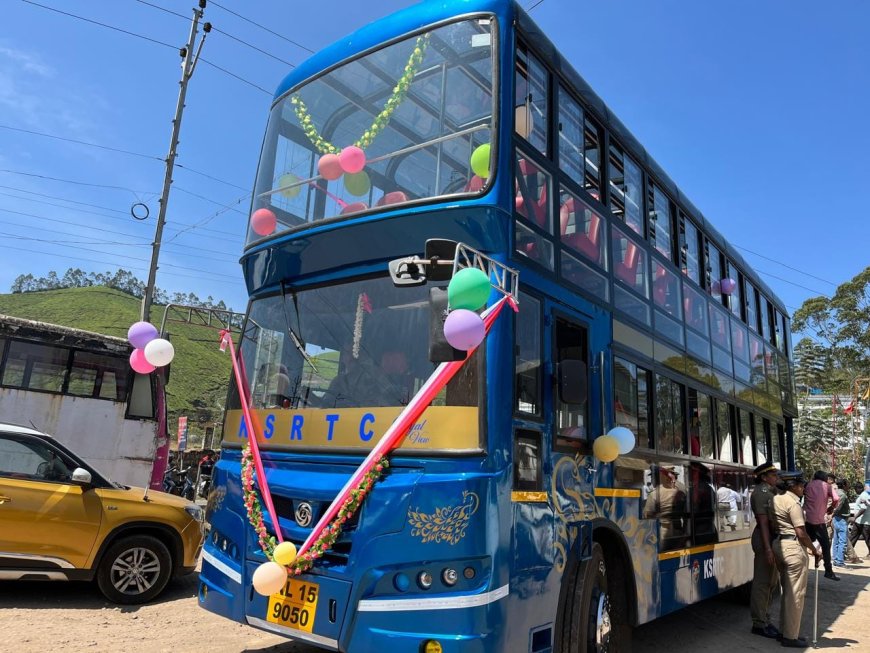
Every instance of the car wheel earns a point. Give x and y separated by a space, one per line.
134 569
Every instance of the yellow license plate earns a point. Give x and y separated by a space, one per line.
295 605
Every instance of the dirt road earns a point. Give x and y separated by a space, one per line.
39 617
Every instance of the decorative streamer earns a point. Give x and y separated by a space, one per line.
227 340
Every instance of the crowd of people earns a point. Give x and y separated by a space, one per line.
796 520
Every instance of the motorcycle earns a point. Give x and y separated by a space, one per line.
176 481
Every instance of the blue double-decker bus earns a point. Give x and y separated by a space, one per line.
495 528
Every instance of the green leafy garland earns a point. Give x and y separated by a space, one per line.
400 90
329 535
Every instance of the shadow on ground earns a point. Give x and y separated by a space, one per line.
35 595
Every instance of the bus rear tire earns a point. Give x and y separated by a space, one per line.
593 615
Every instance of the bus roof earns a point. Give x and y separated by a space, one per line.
16 327
405 21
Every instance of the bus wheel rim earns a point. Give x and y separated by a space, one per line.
602 623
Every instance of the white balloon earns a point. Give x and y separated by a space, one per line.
624 437
269 578
159 352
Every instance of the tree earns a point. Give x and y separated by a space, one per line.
834 354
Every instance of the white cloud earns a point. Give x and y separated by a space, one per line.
25 61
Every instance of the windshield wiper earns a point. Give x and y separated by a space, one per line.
297 342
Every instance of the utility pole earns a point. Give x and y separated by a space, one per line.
188 63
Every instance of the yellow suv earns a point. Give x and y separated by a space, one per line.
62 520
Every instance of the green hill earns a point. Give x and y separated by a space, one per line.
200 372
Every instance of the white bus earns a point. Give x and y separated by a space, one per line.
78 386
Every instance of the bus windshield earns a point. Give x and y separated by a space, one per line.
361 344
396 125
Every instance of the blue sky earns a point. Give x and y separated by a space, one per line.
758 110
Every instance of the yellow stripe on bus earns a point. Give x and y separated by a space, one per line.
529 497
669 555
616 492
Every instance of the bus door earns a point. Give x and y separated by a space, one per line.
576 341
553 491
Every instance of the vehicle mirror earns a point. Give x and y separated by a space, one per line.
440 351
81 476
440 249
573 384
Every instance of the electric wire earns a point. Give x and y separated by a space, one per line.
148 240
253 47
168 273
263 27
241 79
137 193
785 265
96 22
121 151
78 142
146 38
172 227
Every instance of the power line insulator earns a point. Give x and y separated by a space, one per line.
183 52
206 28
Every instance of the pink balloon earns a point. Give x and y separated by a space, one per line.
464 329
264 222
139 364
329 167
352 159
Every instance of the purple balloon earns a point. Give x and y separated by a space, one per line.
728 285
464 329
141 333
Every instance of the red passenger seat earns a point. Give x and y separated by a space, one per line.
354 207
626 269
394 197
535 210
586 242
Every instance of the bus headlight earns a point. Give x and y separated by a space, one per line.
424 580
449 576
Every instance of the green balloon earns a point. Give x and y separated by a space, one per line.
469 288
290 185
358 184
480 160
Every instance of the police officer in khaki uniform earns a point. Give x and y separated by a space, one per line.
765 577
790 547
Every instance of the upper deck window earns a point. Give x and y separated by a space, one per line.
690 253
421 111
660 216
571 137
714 271
530 104
626 189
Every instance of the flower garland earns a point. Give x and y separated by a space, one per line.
400 90
330 534
252 504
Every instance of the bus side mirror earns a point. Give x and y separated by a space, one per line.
440 351
573 383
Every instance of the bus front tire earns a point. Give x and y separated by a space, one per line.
592 619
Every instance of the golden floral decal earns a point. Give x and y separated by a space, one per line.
572 496
447 524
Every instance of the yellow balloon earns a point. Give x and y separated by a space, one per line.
285 553
605 448
269 578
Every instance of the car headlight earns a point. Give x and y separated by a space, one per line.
195 511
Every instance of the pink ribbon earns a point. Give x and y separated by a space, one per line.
252 436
